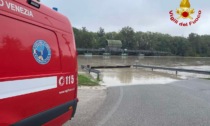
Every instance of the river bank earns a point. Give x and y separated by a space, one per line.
86 80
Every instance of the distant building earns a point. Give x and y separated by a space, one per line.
114 45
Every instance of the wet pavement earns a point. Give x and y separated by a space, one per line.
181 103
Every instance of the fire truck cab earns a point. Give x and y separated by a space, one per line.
38 66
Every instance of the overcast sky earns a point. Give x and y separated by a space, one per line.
141 15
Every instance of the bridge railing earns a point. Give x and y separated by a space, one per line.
121 50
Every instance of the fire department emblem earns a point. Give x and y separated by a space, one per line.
185 12
41 52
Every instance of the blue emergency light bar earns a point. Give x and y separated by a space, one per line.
54 8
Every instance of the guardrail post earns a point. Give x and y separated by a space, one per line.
136 63
98 76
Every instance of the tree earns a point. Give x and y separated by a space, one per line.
193 45
194 40
127 37
84 39
101 38
101 32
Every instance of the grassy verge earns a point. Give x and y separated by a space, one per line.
86 81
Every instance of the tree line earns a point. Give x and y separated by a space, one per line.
193 45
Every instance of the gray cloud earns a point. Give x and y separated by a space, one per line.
142 15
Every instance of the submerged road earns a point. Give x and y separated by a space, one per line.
182 103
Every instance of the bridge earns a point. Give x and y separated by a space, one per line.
120 51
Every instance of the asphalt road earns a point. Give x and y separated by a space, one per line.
183 103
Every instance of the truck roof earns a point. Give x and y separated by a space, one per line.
47 16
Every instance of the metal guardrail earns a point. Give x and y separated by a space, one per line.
174 69
109 67
89 69
92 69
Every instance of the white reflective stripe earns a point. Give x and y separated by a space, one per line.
26 86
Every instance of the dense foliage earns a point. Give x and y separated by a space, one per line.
193 45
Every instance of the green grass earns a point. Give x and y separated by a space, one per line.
86 81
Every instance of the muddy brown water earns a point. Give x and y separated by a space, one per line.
128 76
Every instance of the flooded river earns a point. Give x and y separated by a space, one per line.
128 76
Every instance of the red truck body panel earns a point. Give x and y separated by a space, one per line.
38 67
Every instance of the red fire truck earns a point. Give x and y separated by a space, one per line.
38 66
